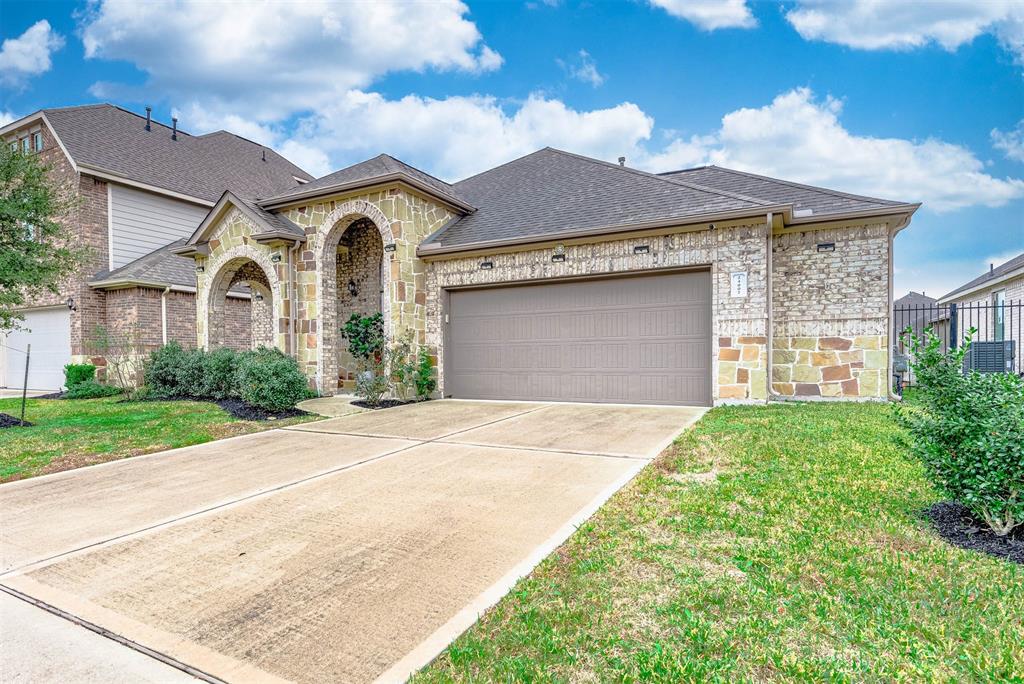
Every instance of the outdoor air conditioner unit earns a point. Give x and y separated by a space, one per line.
991 357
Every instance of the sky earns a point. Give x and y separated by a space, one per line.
911 101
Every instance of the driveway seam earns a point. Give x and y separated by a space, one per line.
548 451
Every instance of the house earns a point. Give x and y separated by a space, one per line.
139 187
992 303
560 277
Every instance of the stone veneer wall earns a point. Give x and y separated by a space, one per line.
831 313
401 217
735 320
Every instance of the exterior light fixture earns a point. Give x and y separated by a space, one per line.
71 304
200 269
486 265
390 247
276 258
352 289
558 258
711 226
642 249
826 246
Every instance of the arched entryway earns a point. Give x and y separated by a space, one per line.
354 277
241 322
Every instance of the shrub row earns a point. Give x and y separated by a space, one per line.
80 379
264 378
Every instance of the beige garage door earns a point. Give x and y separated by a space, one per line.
642 339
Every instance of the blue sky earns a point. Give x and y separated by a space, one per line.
909 101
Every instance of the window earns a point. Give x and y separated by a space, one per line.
25 145
14 146
37 141
998 314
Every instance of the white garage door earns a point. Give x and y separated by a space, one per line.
49 333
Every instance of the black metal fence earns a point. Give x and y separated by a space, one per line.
996 342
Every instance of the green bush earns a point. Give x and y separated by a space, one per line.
270 380
426 381
75 373
219 369
365 335
90 389
968 430
173 371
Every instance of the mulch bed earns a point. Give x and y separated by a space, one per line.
239 409
959 527
51 395
7 421
387 403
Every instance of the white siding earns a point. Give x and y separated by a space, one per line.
141 222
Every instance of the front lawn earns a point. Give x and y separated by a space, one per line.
805 559
69 433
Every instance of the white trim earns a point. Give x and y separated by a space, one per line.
123 180
955 295
110 227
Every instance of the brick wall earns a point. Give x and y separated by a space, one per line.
360 251
831 313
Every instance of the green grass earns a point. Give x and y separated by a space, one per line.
72 433
806 560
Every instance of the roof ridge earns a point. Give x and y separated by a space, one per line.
673 181
827 191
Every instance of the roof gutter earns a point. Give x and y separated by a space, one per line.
860 213
439 249
394 177
956 294
125 180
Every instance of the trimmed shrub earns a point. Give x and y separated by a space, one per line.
173 371
219 369
90 389
365 335
75 373
268 379
969 432
426 378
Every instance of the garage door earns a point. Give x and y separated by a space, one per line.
643 339
49 333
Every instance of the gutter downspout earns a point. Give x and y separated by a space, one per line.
891 326
163 313
769 317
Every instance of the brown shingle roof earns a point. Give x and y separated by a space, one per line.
997 272
116 140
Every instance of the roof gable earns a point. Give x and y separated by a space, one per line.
997 274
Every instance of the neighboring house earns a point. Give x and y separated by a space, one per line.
993 303
139 186
559 277
913 310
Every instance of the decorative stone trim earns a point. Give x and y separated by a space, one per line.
212 287
831 366
326 244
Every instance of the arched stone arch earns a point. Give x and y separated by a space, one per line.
328 235
222 271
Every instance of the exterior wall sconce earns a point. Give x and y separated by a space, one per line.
558 258
71 304
275 258
390 247
352 289
257 297
200 269
826 246
642 249
486 265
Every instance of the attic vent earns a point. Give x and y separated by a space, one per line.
801 213
264 154
149 118
622 161
174 129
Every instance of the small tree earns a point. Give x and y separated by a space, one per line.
125 354
426 378
969 432
36 252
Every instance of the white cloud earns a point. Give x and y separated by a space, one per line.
7 117
801 138
277 58
710 14
459 136
582 67
28 54
1010 143
898 24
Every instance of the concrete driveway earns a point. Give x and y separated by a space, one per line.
353 549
